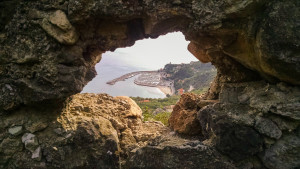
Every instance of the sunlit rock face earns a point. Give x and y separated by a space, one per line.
249 118
91 131
49 48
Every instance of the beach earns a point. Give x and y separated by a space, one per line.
149 79
166 90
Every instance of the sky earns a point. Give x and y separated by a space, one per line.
155 53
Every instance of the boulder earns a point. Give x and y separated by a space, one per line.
285 153
30 141
90 131
16 130
133 108
236 140
183 118
243 125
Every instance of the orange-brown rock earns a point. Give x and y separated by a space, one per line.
133 109
199 52
184 116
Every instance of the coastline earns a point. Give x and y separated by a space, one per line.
165 89
149 79
127 76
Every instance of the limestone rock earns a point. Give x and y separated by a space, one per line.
230 137
58 26
264 97
236 141
198 52
37 154
214 29
128 138
37 126
285 153
30 141
134 109
183 118
43 61
149 130
267 127
285 124
173 152
16 130
91 130
95 129
239 123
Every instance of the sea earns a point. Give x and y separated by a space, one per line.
110 68
144 55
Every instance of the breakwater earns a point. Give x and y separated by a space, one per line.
127 76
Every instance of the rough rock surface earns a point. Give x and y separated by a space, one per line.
170 151
92 131
49 48
245 126
183 118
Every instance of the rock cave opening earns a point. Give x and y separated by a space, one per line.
154 73
149 68
249 118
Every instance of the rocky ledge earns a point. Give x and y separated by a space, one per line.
92 131
242 129
254 124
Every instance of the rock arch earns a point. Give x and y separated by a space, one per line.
49 49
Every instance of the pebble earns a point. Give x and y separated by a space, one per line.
16 130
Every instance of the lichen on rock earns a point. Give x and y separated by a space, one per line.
58 26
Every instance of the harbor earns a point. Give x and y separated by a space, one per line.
127 76
150 79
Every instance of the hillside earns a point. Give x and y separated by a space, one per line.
195 75
156 109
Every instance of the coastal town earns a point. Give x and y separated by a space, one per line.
150 79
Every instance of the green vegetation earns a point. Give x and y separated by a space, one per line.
163 117
149 107
199 91
195 74
155 103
